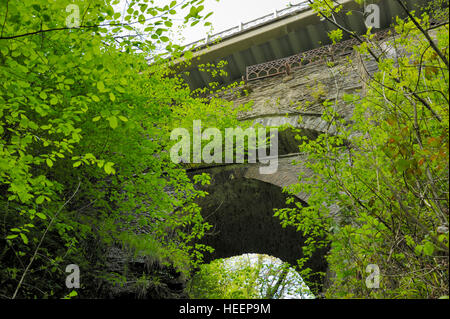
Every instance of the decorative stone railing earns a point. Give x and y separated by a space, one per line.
322 54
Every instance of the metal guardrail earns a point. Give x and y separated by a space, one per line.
249 25
294 8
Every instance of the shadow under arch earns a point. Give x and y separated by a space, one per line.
241 211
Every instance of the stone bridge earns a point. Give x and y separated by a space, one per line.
241 204
241 200
288 170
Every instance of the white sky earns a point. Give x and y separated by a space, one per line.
226 14
230 13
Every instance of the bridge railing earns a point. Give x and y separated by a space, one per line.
294 8
249 25
318 55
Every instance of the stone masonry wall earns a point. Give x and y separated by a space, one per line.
282 99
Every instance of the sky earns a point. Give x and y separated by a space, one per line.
226 14
230 13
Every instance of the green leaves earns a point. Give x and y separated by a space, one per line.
112 122
108 167
41 216
54 100
82 116
71 295
335 35
43 95
427 249
250 276
203 179
101 86
188 55
40 199
381 167
21 233
24 238
403 164
49 162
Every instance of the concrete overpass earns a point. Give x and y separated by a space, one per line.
276 36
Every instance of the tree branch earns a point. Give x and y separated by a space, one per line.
44 31
377 59
425 33
6 16
41 241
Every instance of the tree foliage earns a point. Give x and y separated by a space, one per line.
84 136
387 170
251 276
85 126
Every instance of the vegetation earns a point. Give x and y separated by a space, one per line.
388 171
248 277
85 133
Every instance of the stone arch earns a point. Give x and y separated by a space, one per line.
240 208
289 168
293 124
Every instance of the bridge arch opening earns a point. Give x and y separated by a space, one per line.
248 276
241 212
